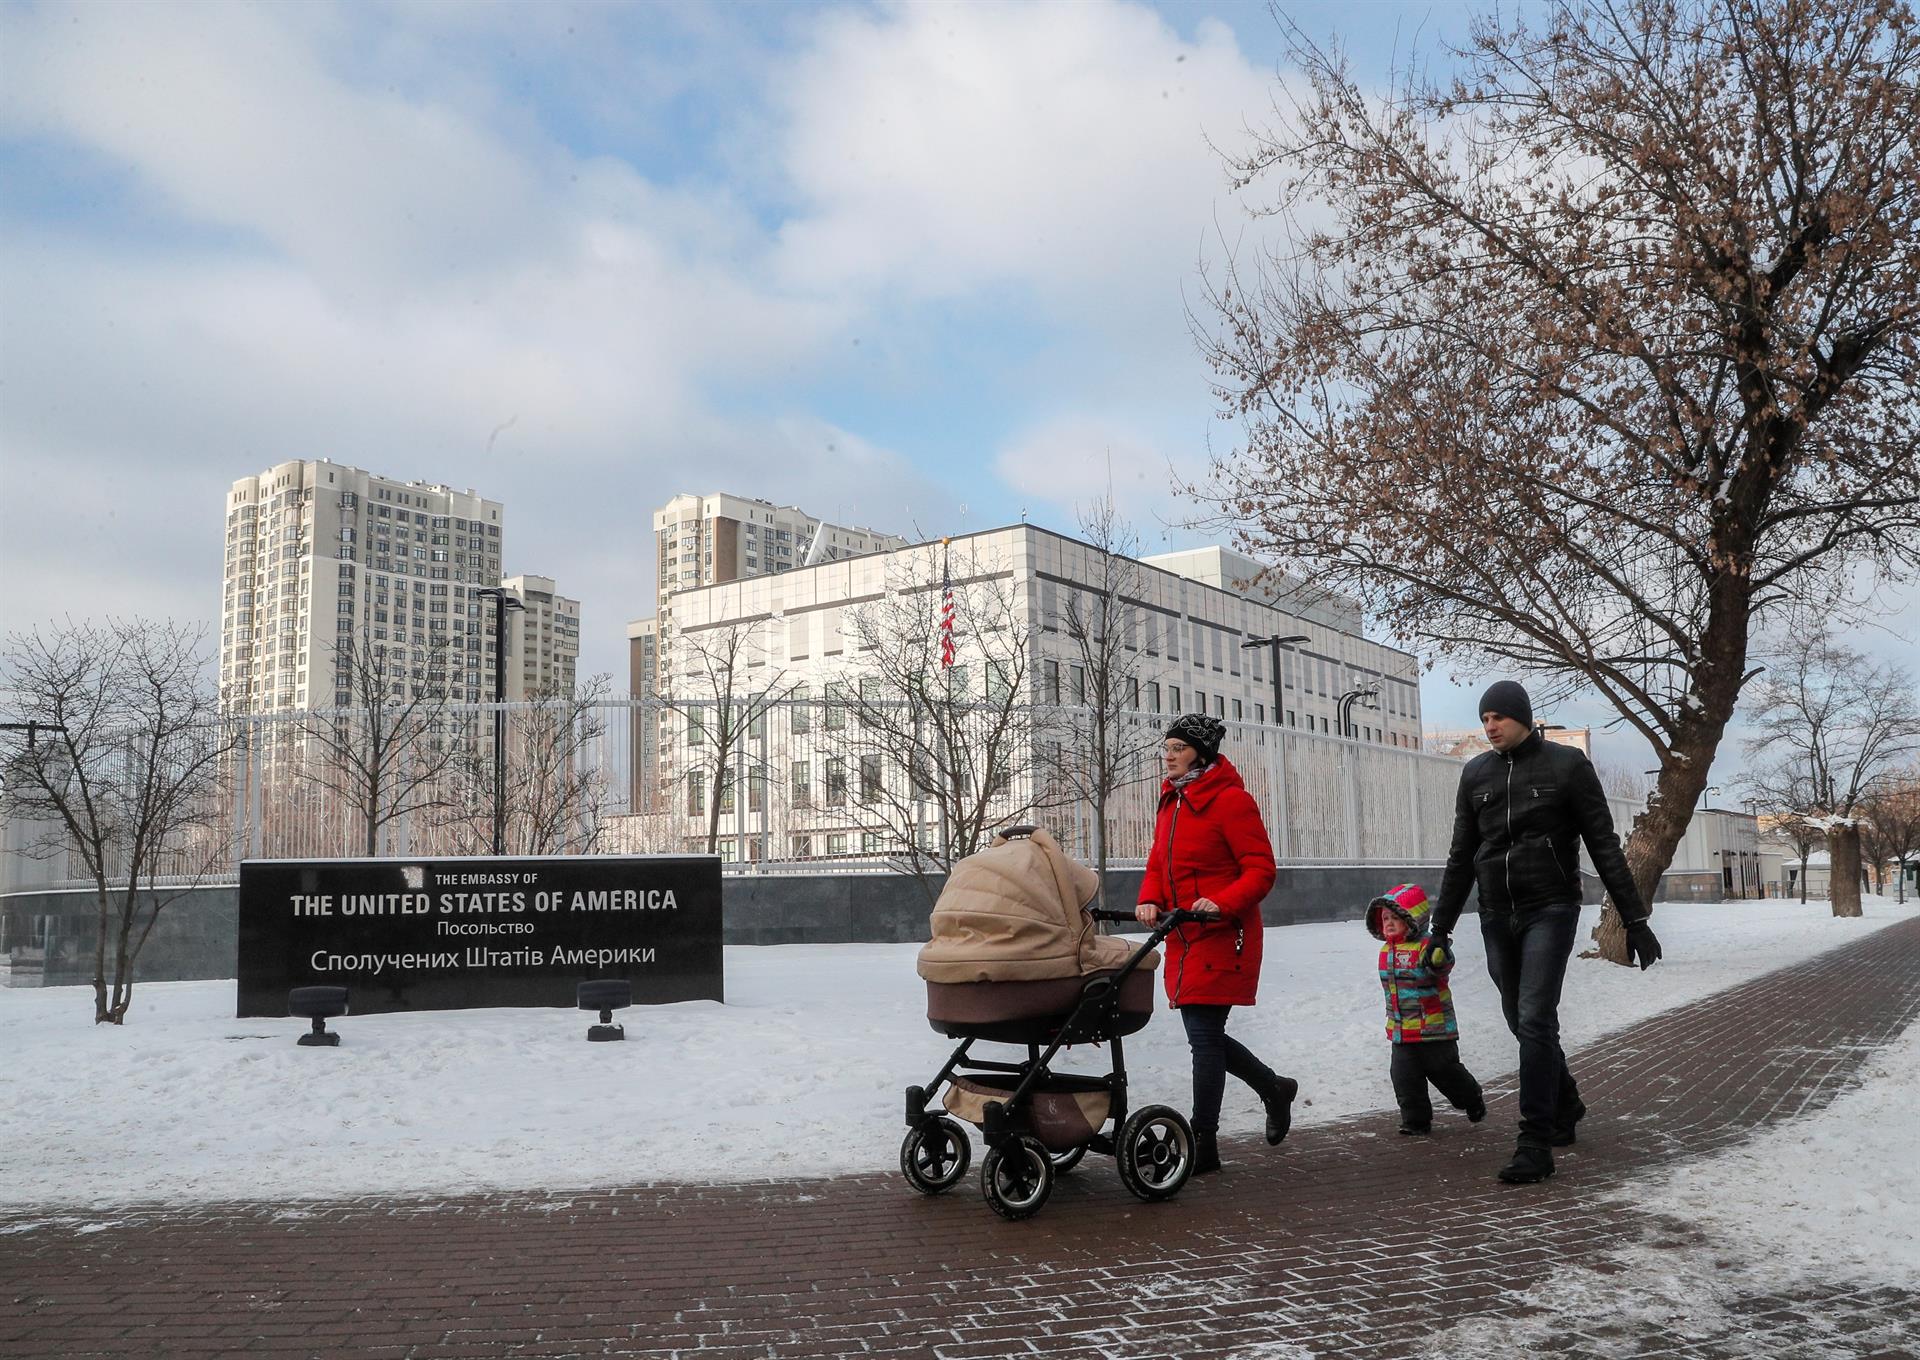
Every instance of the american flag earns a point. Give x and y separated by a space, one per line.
946 612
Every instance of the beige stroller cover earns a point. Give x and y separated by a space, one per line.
1015 912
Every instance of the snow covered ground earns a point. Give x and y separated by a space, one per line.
800 1073
1831 1197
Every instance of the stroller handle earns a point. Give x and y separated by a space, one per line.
1176 917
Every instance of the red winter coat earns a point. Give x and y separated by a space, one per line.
1209 841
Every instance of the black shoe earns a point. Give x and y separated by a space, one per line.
1279 1103
1529 1165
1563 1133
1476 1112
1206 1154
1413 1130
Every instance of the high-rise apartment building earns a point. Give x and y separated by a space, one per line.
543 639
320 555
715 538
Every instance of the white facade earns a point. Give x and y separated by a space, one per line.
543 639
1190 634
317 551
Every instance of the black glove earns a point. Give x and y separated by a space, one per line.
1438 954
1642 947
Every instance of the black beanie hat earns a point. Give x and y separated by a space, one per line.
1509 700
1201 732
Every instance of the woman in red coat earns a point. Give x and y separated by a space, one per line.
1211 855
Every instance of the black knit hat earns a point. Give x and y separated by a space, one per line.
1509 700
1201 732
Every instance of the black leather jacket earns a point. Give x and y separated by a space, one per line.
1517 823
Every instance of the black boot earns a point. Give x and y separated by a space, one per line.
1563 1132
1206 1154
1477 1112
1278 1098
1413 1130
1529 1165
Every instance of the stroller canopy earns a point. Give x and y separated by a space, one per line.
1014 912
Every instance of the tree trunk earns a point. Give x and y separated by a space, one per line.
1658 831
1803 875
1843 886
101 1012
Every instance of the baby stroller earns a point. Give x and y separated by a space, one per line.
1015 958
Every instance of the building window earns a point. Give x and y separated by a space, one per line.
1153 696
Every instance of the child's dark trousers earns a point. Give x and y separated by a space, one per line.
1436 1061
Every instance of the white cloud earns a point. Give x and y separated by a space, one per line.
1066 463
941 149
376 253
387 281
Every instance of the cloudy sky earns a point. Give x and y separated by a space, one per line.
918 266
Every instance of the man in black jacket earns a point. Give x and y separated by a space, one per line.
1520 813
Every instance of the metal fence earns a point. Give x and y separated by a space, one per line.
805 785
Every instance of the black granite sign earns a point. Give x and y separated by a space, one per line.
441 934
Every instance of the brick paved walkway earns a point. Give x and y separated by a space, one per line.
1304 1251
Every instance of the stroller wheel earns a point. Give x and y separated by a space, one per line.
1017 1177
1063 1162
935 1155
1155 1152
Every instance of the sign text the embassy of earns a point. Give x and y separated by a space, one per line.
440 933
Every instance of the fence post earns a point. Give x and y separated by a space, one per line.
739 787
1350 767
254 728
1282 791
1413 807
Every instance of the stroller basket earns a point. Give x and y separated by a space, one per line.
1063 1111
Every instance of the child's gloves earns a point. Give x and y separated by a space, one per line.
1438 953
1642 947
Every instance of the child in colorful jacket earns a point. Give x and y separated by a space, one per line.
1420 1020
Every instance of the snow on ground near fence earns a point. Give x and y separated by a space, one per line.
1832 1196
799 1074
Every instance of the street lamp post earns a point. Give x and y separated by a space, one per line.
503 601
33 729
1273 645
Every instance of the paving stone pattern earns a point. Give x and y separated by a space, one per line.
1346 1241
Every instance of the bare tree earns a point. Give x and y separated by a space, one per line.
1893 813
388 754
944 752
1594 360
1103 743
721 704
1622 781
1839 720
127 773
1783 794
557 791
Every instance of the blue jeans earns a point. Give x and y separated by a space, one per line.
1214 1055
1527 954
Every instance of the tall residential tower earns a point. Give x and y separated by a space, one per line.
319 554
